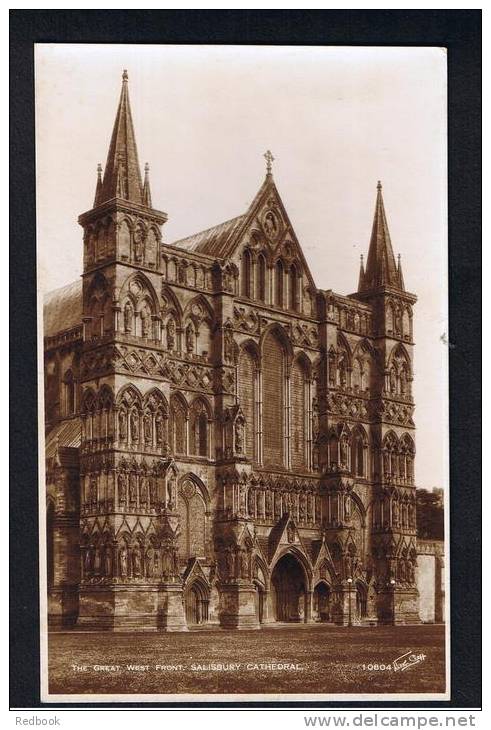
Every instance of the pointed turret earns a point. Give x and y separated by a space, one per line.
399 272
361 277
147 196
381 267
122 177
98 187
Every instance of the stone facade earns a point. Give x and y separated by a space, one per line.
226 442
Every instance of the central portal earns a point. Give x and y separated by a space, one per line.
288 581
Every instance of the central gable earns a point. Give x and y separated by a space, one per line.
266 228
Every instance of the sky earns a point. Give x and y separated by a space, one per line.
336 119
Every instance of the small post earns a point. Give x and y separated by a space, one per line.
393 586
349 581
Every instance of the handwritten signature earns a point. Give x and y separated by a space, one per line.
407 660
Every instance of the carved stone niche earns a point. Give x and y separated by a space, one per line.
234 428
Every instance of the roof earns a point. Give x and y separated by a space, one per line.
63 308
213 241
122 177
381 267
65 434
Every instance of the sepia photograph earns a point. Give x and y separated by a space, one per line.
243 348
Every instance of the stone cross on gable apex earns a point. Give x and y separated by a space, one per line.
269 161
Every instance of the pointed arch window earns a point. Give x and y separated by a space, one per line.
333 451
358 454
293 288
275 421
199 430
261 278
246 276
300 416
179 427
279 277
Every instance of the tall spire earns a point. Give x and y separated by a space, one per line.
122 177
381 267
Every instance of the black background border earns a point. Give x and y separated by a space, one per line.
460 32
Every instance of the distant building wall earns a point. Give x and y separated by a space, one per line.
431 581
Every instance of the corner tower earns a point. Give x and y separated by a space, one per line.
128 492
381 285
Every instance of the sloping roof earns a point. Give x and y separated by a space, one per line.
381 267
65 434
213 241
122 177
63 308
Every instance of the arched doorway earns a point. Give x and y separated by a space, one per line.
196 602
322 602
289 589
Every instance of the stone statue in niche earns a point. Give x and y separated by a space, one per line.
239 435
137 562
156 563
411 573
153 490
166 563
228 345
149 563
229 562
347 507
171 335
147 428
171 494
133 488
190 338
242 499
267 501
123 562
270 224
97 561
122 488
88 561
145 317
134 426
342 372
128 317
398 322
108 562
159 429
93 490
343 446
393 381
138 245
301 507
144 491
395 512
123 425
291 532
403 381
244 564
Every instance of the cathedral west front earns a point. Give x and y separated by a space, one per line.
226 443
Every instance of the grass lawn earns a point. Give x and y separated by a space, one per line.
327 660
